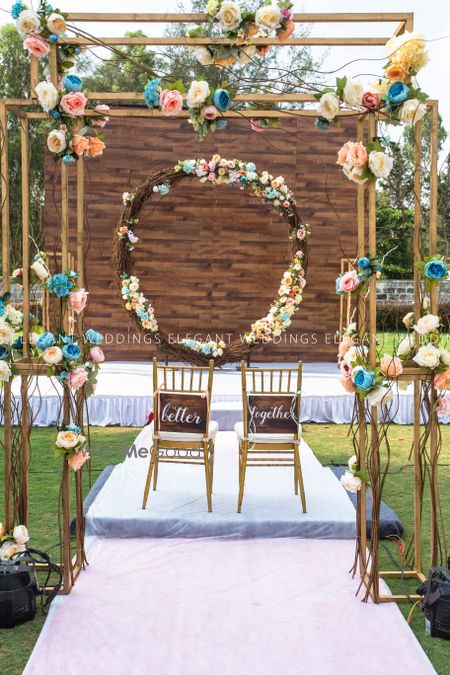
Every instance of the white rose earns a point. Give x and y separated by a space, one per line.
203 55
381 395
28 22
5 372
328 106
380 164
350 482
6 333
427 324
352 462
405 347
33 338
197 94
353 93
47 95
229 15
40 271
428 356
445 356
412 111
67 439
357 351
56 141
20 534
14 315
268 17
380 87
9 549
56 24
52 355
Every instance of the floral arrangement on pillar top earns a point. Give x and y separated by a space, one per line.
241 25
42 28
354 477
356 280
393 94
206 106
13 542
434 270
73 133
71 443
362 163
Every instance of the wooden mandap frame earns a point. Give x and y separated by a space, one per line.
368 439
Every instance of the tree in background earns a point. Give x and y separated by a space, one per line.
15 83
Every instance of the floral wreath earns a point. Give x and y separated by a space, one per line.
217 171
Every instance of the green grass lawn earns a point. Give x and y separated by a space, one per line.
331 444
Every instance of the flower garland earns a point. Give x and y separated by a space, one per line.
206 106
13 542
241 25
71 443
243 175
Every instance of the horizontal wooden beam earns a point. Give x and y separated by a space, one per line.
189 41
303 17
146 112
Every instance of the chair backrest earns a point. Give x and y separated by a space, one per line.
271 399
182 397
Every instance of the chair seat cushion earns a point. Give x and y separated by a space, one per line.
264 438
175 436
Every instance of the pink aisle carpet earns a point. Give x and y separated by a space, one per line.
222 607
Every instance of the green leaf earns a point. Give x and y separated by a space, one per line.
340 85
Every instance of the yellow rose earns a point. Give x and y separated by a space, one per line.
409 50
56 24
67 439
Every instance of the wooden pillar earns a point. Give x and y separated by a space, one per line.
34 74
80 262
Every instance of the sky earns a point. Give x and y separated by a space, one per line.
432 18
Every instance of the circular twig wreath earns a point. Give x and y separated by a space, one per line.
217 171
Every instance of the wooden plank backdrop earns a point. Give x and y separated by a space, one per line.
211 258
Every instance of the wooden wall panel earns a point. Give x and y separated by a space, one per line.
211 258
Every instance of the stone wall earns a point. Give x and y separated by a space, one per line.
402 291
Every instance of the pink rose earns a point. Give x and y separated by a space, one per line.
347 384
343 153
209 112
442 380
345 345
17 273
349 282
100 121
346 369
255 126
357 154
74 104
76 461
371 101
78 300
391 366
97 355
77 378
444 407
36 45
171 102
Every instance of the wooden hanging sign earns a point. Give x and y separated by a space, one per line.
183 413
272 414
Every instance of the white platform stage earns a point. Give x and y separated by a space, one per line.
124 397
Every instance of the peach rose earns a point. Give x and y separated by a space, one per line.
78 300
80 144
347 384
444 407
343 153
345 345
171 102
96 147
76 461
97 355
349 282
391 366
396 73
36 45
209 112
228 61
357 154
283 35
77 378
74 103
101 121
442 380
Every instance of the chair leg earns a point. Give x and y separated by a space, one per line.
211 464
155 472
243 468
300 479
295 475
149 475
206 460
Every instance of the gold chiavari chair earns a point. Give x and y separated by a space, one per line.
270 432
183 432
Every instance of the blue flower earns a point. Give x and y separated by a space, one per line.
338 286
221 99
60 285
4 352
322 124
2 308
435 269
164 189
188 166
63 376
363 263
284 316
364 379
250 166
72 83
142 315
66 339
46 340
16 9
205 350
53 39
17 344
190 343
56 114
151 93
69 159
73 427
397 93
221 123
93 337
71 352
271 194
